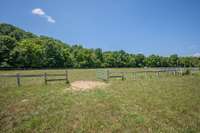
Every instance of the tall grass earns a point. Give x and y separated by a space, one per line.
147 104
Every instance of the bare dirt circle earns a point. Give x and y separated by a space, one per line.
86 85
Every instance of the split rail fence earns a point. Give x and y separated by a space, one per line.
105 75
18 76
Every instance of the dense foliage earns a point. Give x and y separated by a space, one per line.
19 48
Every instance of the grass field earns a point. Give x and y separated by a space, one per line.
159 104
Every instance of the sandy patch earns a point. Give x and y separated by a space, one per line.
87 85
24 100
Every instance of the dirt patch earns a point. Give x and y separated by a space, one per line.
87 85
24 100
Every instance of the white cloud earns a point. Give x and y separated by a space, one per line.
41 13
38 11
196 55
50 19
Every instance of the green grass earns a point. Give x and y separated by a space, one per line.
157 104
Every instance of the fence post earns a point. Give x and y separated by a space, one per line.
158 73
45 78
133 75
145 74
108 75
66 74
123 78
18 79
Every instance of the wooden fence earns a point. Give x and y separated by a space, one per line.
46 76
134 74
104 74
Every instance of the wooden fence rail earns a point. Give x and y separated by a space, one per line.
104 74
18 77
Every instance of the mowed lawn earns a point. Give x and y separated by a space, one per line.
157 104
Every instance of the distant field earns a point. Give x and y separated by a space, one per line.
148 104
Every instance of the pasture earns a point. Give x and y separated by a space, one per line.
164 103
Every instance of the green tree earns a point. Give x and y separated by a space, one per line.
173 60
7 44
53 54
19 48
30 53
164 61
139 58
131 61
99 61
109 59
153 61
14 32
67 58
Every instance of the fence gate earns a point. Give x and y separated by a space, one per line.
102 74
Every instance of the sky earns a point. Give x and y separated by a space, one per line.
161 27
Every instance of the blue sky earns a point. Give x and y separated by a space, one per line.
161 27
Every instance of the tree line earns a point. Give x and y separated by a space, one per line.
19 48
